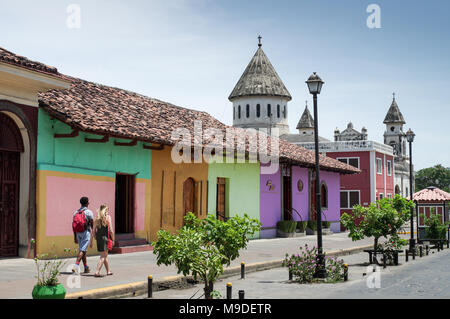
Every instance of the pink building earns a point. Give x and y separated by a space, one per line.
375 160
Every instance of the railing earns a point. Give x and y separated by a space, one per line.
292 216
342 146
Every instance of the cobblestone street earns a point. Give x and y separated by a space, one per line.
426 277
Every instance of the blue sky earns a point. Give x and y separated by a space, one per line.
192 53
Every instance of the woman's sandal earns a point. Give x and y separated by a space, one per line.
98 275
109 274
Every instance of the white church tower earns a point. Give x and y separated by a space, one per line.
395 137
260 97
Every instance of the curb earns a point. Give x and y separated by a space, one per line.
141 287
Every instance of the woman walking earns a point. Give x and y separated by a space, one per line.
102 233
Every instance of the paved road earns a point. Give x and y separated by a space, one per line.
17 275
426 277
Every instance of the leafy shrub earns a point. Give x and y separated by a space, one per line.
287 226
49 267
334 268
301 226
303 266
436 229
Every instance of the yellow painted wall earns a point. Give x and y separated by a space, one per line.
170 207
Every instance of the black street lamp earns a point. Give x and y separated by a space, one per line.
315 86
410 138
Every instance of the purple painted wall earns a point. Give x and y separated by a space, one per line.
300 198
271 199
332 213
270 203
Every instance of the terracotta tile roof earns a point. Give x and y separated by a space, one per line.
21 61
100 109
432 194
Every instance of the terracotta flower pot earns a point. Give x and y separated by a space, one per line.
49 292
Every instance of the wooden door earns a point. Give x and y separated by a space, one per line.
287 198
125 203
221 199
189 196
9 203
313 208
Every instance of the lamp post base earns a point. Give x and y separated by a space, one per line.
321 272
412 244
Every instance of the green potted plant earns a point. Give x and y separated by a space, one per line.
48 270
286 228
301 227
311 227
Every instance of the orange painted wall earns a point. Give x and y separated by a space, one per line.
167 210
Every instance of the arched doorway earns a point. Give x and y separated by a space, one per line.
397 190
189 196
11 146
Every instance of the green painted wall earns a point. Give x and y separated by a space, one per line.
74 155
242 188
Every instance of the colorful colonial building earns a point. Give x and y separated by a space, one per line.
63 138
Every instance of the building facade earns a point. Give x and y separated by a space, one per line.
63 138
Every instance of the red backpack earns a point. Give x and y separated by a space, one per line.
79 221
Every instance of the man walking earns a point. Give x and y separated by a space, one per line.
82 229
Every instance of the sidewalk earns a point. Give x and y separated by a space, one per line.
17 276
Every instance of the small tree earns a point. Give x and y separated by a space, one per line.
435 228
203 246
378 220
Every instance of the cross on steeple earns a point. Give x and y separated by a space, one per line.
393 96
259 40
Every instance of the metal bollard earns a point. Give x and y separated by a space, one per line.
421 251
345 272
439 247
384 260
396 258
242 270
406 255
414 253
229 290
427 249
290 274
150 286
241 294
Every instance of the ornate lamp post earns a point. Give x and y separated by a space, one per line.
410 138
315 86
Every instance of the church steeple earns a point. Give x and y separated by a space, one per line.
306 120
394 115
260 97
394 134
